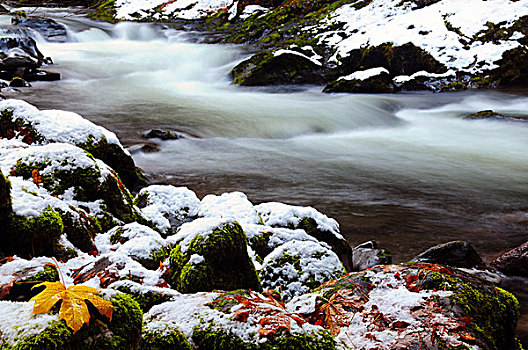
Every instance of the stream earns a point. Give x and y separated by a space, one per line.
405 170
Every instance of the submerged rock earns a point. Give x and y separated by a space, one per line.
489 114
163 135
456 253
47 27
514 262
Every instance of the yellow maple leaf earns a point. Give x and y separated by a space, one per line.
73 308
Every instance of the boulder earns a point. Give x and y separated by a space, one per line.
209 254
456 253
19 82
146 296
374 80
278 67
47 27
60 126
414 306
233 320
314 223
513 262
22 330
168 207
368 255
296 267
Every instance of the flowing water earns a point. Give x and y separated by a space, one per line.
405 169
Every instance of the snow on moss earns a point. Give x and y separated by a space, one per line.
132 239
296 267
277 236
200 227
233 205
284 215
17 322
168 206
185 9
58 126
440 28
11 268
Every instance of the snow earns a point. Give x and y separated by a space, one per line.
233 205
365 74
284 215
200 227
314 60
251 9
17 322
315 263
401 79
140 288
184 9
278 235
384 21
169 204
141 241
196 259
9 270
58 126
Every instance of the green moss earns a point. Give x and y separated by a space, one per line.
5 201
227 265
117 237
155 258
159 341
209 338
9 127
454 86
146 300
494 311
105 11
33 236
48 274
226 301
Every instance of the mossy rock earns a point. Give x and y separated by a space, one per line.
217 260
33 236
145 296
223 339
297 267
380 83
266 68
159 341
24 281
406 59
123 332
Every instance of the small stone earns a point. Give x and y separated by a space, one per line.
456 253
514 262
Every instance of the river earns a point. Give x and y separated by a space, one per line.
405 169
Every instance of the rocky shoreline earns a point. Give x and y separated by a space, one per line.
219 272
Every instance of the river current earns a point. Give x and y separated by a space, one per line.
406 169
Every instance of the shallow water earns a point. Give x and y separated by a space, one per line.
405 170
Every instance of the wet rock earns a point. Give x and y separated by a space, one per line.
278 67
163 135
368 255
375 80
514 262
44 75
143 147
489 114
456 253
3 10
47 27
19 82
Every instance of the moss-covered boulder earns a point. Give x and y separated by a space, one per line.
279 67
168 207
234 205
374 80
209 254
139 242
22 330
296 267
48 126
220 321
415 305
492 115
310 220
